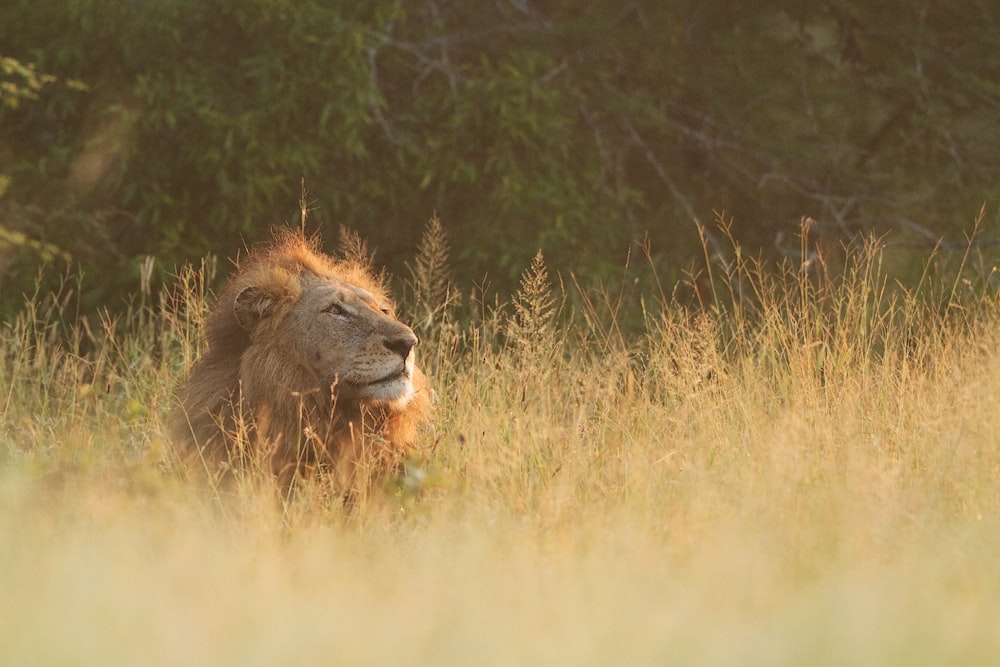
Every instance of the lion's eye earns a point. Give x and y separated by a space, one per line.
335 309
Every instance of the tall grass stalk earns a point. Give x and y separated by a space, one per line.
801 468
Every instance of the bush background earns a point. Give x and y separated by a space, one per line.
176 128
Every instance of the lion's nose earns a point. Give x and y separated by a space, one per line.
401 344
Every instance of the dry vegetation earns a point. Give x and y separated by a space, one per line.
809 475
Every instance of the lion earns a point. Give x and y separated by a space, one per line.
308 372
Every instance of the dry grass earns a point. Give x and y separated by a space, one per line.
810 475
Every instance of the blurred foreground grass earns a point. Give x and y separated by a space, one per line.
809 475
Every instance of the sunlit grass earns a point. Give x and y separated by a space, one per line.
804 468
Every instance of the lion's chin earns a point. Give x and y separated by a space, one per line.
396 391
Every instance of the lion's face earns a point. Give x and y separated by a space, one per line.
344 335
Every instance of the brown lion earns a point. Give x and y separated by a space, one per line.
307 371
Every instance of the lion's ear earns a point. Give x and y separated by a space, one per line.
252 305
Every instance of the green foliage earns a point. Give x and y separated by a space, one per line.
526 126
20 82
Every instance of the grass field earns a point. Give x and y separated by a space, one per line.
809 475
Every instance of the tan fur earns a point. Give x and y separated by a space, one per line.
307 370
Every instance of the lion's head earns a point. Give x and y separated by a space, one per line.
344 335
307 368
